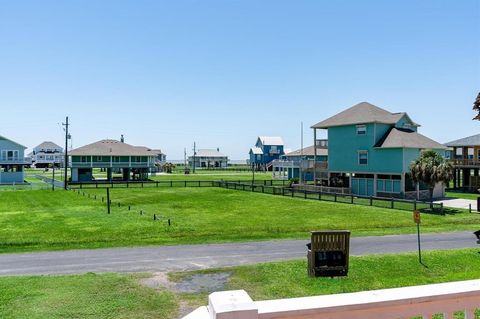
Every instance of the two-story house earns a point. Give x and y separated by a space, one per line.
134 162
266 149
12 161
208 158
465 157
302 163
47 154
370 151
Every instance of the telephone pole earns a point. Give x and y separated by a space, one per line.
194 155
65 160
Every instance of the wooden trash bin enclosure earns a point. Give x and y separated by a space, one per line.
328 253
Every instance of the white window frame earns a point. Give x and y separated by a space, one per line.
359 159
361 129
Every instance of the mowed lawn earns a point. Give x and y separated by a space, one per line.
289 279
45 220
83 296
120 296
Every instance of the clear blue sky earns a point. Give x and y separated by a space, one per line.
168 73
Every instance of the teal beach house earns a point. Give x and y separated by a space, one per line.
370 151
12 161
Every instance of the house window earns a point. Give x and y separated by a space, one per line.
116 159
83 159
361 129
99 158
273 149
363 158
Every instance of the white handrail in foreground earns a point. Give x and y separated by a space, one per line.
423 301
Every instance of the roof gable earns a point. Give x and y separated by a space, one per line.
362 113
7 139
270 140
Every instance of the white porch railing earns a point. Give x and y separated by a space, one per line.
418 301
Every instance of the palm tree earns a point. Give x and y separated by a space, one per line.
476 107
431 168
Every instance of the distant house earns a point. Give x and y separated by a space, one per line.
266 149
134 162
370 151
208 158
465 157
12 161
301 163
47 154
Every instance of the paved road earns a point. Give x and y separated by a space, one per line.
191 257
459 203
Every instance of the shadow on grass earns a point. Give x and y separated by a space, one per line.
441 212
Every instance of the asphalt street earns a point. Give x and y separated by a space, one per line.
192 257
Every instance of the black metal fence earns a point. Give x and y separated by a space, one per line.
275 187
183 183
392 203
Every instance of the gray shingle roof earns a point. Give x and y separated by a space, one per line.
209 153
361 113
473 140
48 144
271 140
112 148
399 138
256 151
309 151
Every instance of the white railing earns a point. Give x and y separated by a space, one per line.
418 301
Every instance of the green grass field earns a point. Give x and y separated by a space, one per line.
45 220
462 195
83 296
120 296
289 279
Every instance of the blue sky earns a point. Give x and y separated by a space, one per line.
168 73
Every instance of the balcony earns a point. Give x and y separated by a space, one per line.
407 302
111 165
472 163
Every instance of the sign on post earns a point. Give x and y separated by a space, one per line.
416 217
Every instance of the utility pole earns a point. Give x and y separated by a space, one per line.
300 170
65 160
194 155
53 177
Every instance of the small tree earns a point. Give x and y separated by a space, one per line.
476 107
168 167
431 168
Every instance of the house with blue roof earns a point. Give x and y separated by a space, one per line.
266 149
370 150
12 161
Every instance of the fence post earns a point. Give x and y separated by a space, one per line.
157 184
305 194
293 191
441 208
335 197
470 208
415 204
108 200
283 191
351 199
391 203
371 200
263 189
199 185
320 195
171 183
